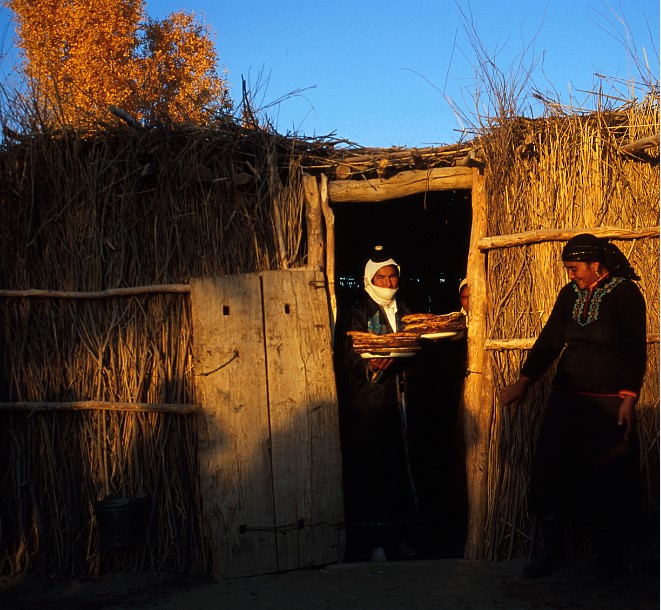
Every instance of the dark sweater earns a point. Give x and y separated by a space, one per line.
362 311
600 337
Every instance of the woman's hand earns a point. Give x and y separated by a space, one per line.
627 416
515 392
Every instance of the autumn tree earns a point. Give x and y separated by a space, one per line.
81 57
177 67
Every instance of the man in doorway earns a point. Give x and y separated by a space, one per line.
381 498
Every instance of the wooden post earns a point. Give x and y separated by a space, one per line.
477 398
313 221
329 220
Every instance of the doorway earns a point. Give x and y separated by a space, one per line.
428 235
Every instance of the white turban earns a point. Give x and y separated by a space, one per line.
384 297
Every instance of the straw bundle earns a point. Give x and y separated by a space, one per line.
134 351
62 463
131 208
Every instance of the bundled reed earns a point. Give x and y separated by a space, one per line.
62 463
128 207
58 463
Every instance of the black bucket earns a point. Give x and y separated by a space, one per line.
121 521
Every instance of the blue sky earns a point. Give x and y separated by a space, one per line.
382 73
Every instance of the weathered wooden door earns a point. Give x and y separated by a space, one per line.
270 461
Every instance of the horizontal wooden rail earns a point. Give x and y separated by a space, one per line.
101 294
99 405
642 144
496 344
527 343
544 235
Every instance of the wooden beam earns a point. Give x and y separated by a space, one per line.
100 294
400 185
498 344
528 342
329 220
544 235
99 405
640 145
313 223
478 389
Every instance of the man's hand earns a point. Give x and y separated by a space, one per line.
379 364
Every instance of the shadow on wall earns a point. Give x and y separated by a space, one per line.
56 464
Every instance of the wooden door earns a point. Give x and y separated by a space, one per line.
270 462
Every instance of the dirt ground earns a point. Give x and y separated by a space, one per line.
455 584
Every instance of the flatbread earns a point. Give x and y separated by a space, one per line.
380 344
426 323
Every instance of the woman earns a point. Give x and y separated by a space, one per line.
463 296
381 494
586 463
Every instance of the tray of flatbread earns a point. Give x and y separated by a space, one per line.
392 345
433 326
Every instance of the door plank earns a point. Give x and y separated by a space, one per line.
235 468
306 456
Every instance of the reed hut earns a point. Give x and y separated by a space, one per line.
169 299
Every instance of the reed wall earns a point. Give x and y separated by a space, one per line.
563 172
98 387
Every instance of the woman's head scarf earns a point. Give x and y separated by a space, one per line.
588 248
379 259
463 284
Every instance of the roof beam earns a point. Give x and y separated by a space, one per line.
400 185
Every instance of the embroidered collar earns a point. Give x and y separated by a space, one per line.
588 301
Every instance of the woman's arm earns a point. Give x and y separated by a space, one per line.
547 348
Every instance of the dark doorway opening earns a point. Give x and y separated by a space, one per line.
429 237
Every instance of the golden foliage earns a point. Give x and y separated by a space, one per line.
83 56
178 71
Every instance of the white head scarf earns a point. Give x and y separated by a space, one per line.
463 283
384 297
